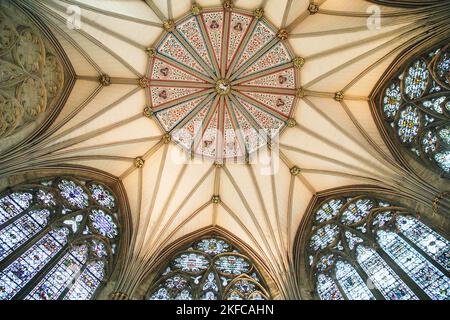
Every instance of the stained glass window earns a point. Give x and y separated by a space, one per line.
209 269
56 239
416 107
363 247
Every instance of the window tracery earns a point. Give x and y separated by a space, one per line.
58 239
365 248
209 269
415 106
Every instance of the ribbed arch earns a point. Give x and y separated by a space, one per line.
211 267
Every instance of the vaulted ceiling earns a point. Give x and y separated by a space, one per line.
333 142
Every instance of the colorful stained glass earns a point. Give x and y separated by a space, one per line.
431 280
212 246
382 219
40 237
47 198
232 265
201 50
209 269
352 240
245 289
15 276
86 284
356 211
102 195
60 276
13 204
443 160
416 79
429 142
443 66
415 103
382 276
435 104
191 262
21 230
351 282
327 288
324 236
325 262
408 124
392 100
426 239
366 242
73 193
103 223
328 210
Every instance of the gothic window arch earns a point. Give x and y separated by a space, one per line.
415 107
210 268
363 247
58 239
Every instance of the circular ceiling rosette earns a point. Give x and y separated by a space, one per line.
222 83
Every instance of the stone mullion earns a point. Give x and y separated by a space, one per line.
241 47
262 106
402 275
67 289
365 277
211 55
237 127
263 73
353 260
29 242
183 67
33 282
175 102
266 48
194 53
424 254
332 275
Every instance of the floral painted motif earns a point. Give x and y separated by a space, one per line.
205 94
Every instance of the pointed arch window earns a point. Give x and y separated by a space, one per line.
58 238
366 248
415 105
209 269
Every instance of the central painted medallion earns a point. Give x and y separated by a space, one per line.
222 83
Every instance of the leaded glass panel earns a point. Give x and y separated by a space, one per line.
57 239
366 248
415 103
209 269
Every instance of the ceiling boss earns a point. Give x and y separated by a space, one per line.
222 82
